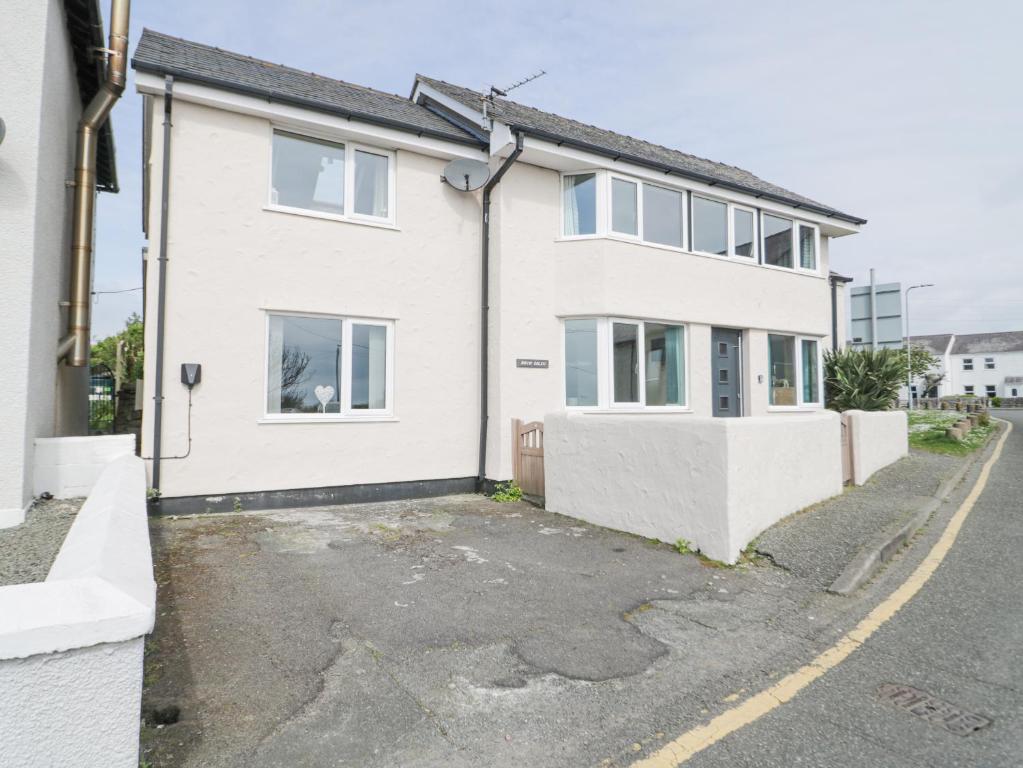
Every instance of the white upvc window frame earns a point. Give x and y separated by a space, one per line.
602 205
990 390
968 389
610 208
605 367
794 234
801 404
967 363
346 412
754 258
683 213
989 364
350 148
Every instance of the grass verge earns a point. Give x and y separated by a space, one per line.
927 432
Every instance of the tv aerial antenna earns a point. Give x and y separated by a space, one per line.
487 98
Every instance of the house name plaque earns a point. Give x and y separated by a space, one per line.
529 362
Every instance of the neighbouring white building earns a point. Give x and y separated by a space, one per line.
308 256
980 364
51 68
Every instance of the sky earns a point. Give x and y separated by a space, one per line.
908 114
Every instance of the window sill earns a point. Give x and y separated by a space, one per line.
794 408
366 222
328 419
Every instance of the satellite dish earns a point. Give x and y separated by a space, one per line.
466 175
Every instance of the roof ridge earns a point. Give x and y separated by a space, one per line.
265 62
591 125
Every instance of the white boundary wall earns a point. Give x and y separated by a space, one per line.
68 467
715 482
71 646
877 438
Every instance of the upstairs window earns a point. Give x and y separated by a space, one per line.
989 363
308 173
777 241
662 216
742 227
624 207
807 247
579 200
967 363
710 226
333 178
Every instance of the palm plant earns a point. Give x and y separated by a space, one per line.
863 379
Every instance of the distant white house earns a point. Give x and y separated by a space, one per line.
981 364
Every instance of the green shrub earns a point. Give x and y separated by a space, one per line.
507 492
863 379
996 402
984 419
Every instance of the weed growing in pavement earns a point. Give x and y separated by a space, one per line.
683 547
237 506
507 492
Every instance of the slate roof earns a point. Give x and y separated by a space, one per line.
977 343
936 344
85 28
563 130
162 54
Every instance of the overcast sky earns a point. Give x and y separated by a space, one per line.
907 114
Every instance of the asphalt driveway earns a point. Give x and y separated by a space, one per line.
453 632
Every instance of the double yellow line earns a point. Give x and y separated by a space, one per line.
700 738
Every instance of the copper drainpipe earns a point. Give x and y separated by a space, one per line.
75 346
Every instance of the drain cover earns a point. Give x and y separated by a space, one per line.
932 709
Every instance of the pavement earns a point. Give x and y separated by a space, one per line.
458 631
28 550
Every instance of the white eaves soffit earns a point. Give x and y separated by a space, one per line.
299 118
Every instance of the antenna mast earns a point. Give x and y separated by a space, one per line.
495 91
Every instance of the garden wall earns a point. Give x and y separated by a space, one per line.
68 467
71 646
876 439
715 482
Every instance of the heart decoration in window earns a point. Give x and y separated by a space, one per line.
324 395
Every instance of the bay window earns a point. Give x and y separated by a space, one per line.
623 363
777 241
743 236
324 366
794 371
334 178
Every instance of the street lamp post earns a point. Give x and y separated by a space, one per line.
909 347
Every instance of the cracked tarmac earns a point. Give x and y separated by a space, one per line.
453 632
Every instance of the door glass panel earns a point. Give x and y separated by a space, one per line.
723 376
665 384
722 349
626 362
723 403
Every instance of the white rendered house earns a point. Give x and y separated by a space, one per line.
978 364
51 71
311 260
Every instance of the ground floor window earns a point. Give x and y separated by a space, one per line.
991 390
794 371
624 363
968 389
321 365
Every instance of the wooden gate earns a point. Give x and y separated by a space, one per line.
527 457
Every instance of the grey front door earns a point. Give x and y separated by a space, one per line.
726 371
